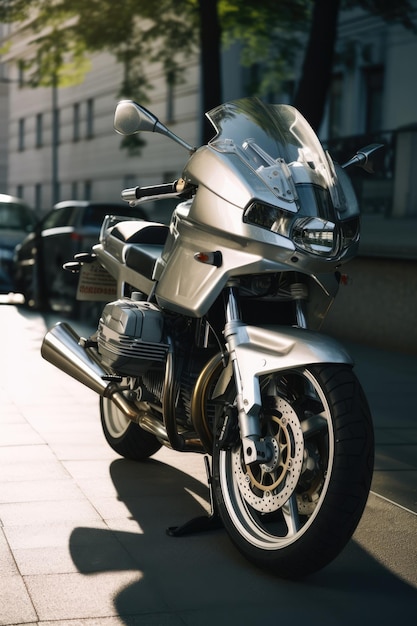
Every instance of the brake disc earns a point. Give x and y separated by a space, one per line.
267 487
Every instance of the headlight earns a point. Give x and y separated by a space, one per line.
323 238
315 235
268 217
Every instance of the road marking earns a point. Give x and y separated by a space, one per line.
394 503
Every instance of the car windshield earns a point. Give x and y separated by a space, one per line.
15 216
279 145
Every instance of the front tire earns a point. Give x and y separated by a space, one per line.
124 436
294 515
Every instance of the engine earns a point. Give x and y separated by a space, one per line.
130 337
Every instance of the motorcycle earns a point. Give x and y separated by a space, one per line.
209 337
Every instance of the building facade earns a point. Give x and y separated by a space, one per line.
82 149
373 96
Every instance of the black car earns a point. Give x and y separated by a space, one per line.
16 220
70 227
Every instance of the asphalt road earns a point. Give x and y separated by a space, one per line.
82 532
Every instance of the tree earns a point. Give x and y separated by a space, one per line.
310 27
271 32
135 31
138 30
316 74
210 44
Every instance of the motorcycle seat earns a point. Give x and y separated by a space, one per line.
144 244
139 231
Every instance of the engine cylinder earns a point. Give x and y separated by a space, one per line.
131 337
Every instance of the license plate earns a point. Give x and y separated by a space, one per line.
96 284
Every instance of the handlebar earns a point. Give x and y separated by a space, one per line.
137 193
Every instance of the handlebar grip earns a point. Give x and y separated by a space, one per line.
135 193
129 195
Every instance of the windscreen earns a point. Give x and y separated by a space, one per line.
278 144
15 217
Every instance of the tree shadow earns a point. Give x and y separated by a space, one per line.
202 579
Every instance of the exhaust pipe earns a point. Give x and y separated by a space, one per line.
62 347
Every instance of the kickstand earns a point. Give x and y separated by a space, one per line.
203 522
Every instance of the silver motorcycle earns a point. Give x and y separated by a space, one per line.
209 338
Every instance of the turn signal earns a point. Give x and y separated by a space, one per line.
209 258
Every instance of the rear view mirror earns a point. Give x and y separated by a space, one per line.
131 118
363 157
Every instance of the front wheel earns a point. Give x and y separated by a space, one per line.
124 436
294 514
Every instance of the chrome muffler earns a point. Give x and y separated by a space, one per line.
64 348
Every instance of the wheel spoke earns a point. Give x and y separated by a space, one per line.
262 477
263 497
275 510
290 514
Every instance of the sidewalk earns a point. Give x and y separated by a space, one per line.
379 304
82 532
388 237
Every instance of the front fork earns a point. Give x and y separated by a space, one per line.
255 449
261 350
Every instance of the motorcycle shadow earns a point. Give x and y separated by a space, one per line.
157 496
202 578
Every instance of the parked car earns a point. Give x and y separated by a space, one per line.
16 220
70 227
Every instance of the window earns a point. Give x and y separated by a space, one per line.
374 89
87 190
170 97
56 192
58 218
76 122
39 130
21 73
15 216
90 118
38 196
93 216
56 126
21 135
74 190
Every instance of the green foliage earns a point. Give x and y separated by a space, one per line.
139 32
133 144
16 10
270 33
135 31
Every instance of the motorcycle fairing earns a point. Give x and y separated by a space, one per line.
208 224
190 287
262 350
